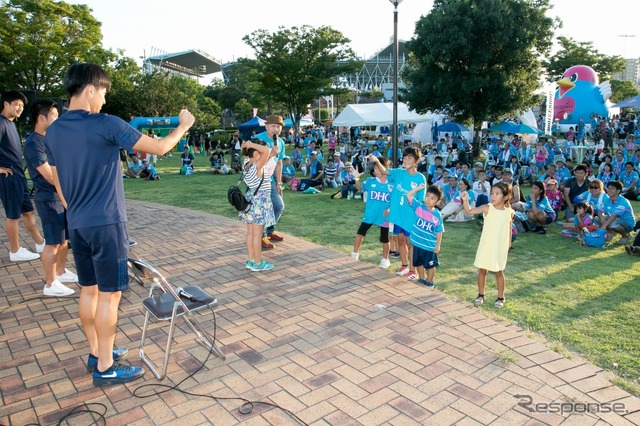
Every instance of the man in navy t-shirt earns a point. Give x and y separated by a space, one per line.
50 209
83 151
14 193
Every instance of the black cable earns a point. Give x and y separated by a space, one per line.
246 407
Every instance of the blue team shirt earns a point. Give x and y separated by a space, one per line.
427 224
35 154
378 200
265 137
542 204
85 149
10 152
621 207
628 179
401 213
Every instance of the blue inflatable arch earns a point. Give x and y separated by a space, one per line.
140 123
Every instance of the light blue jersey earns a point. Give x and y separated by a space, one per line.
378 200
541 204
622 207
401 213
427 224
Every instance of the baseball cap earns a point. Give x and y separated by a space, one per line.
314 152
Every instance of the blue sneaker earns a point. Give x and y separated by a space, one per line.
249 264
118 354
117 374
262 266
427 283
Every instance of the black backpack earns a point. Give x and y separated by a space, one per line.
237 198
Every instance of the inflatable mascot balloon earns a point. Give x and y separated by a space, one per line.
579 96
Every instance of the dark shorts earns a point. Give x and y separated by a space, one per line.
550 218
54 221
425 258
101 254
15 196
384 232
397 230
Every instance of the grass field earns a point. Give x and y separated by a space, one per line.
581 299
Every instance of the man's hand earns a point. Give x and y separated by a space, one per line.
6 171
186 118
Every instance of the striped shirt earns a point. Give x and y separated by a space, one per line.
252 180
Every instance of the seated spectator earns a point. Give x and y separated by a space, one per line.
618 217
288 170
449 190
149 171
314 172
538 209
629 179
216 164
235 163
296 158
330 171
481 189
348 181
187 159
554 195
454 210
582 219
134 167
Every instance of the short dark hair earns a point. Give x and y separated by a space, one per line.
80 75
616 184
629 163
41 107
12 95
580 167
412 151
435 190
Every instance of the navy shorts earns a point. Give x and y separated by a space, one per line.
398 230
425 258
101 255
15 196
54 221
550 218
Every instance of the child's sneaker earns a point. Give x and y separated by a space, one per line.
117 374
402 271
499 302
479 300
249 264
394 254
355 255
118 354
385 263
412 276
427 283
262 266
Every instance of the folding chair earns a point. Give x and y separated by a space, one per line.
169 305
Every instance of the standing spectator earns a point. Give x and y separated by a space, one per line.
272 137
235 144
50 209
13 183
83 141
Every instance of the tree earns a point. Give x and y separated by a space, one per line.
582 53
474 59
297 65
39 39
621 90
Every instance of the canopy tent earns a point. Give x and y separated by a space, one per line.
380 114
633 102
303 122
256 123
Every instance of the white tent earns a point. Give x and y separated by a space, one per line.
380 114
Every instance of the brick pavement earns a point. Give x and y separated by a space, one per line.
335 341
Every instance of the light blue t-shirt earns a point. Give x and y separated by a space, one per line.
378 200
265 137
401 213
541 204
628 179
621 207
427 224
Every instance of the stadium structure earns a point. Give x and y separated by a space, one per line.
190 63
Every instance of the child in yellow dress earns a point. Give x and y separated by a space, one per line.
495 240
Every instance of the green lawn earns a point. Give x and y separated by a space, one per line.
582 299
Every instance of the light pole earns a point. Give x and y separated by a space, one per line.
394 132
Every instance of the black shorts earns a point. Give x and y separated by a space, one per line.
101 255
54 221
425 258
15 196
384 232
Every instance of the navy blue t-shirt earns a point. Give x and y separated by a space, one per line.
10 151
35 154
85 149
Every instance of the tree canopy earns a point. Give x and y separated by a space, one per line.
477 59
573 52
621 90
297 65
39 39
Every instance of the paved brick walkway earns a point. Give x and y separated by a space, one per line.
335 341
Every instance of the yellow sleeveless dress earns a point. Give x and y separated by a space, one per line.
495 240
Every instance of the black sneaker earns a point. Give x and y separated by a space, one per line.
543 230
118 354
394 254
117 374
